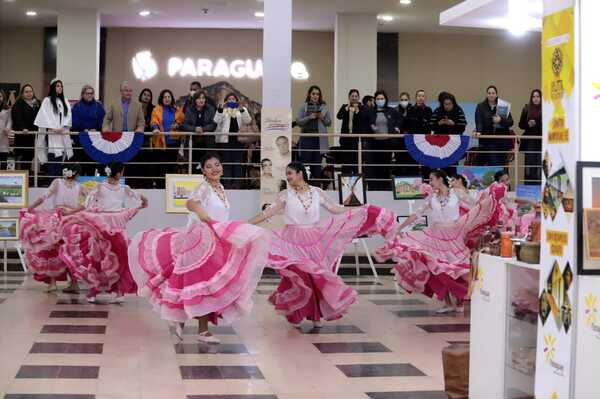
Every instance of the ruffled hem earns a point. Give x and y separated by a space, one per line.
95 249
202 270
305 257
39 232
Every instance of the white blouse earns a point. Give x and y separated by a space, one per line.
302 209
216 208
110 197
61 193
439 212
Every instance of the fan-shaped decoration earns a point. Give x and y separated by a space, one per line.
105 147
436 150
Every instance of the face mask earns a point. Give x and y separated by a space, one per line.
232 104
380 103
404 103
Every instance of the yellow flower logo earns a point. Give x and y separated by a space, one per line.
591 309
550 347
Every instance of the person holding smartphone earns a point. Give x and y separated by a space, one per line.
230 118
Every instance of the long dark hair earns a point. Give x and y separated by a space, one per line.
488 89
447 96
162 95
299 167
463 180
53 97
353 91
498 175
310 89
531 104
440 174
142 92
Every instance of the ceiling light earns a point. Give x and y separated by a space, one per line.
144 13
385 18
31 13
259 14
405 2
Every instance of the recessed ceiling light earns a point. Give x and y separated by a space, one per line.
385 18
259 14
31 13
144 13
406 2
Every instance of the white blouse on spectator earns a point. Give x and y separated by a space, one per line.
216 208
63 193
110 197
302 208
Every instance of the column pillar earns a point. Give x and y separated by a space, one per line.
355 57
78 50
277 54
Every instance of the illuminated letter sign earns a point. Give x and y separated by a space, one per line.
145 67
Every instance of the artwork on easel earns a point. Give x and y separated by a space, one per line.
351 189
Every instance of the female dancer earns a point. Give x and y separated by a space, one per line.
207 270
39 229
306 251
436 260
459 185
95 240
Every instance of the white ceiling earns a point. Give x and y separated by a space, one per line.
513 15
319 15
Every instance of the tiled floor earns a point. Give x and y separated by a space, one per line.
55 346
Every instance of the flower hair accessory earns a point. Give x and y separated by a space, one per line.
107 171
53 81
68 173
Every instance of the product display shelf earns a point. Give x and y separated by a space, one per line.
503 329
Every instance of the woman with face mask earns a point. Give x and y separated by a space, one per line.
232 117
307 249
406 164
384 120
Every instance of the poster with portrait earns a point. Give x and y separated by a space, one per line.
275 155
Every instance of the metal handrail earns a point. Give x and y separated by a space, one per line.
190 149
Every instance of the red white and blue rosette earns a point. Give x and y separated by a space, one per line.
105 147
436 150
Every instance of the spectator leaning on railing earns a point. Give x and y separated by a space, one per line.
166 121
54 117
125 115
200 119
448 118
23 115
384 120
88 115
231 117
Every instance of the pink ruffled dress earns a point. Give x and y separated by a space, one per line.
202 269
436 260
306 250
95 240
39 231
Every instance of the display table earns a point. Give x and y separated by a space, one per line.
504 309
